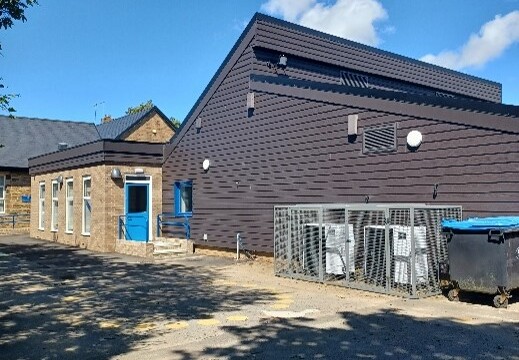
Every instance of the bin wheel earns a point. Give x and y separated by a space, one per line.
499 302
453 295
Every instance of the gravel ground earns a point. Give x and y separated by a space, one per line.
58 302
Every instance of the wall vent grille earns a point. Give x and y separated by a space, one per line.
355 80
380 139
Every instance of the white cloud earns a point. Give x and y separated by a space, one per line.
351 19
493 39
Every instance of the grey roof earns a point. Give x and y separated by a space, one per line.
23 138
115 128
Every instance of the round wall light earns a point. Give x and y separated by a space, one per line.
414 139
206 164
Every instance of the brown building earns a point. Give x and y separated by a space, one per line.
296 116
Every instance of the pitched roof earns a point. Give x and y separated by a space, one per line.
456 110
394 62
116 128
23 138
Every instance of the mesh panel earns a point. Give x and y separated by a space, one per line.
380 248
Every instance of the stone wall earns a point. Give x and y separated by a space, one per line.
134 248
153 130
107 199
17 184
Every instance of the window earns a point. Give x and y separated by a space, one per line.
2 194
87 205
69 213
54 208
183 198
379 139
41 205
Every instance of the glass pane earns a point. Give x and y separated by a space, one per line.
1 192
137 199
42 213
55 214
87 213
87 187
2 206
186 198
70 215
54 190
70 188
2 180
42 191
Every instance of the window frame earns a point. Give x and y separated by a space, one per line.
69 206
84 199
41 206
54 210
177 187
2 193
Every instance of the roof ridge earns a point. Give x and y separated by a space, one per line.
26 118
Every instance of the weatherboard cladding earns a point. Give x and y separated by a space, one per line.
295 40
23 138
294 149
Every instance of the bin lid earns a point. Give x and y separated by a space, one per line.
486 223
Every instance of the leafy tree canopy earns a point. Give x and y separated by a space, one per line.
144 106
175 122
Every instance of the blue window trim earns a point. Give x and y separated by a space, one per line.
176 188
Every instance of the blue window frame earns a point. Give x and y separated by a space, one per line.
183 198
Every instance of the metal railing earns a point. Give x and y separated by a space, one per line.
174 224
389 248
15 219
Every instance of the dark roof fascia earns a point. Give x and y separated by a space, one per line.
467 112
50 120
13 169
145 117
227 64
350 43
98 152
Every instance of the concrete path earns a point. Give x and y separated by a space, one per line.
58 302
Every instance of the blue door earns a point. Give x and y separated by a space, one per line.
137 211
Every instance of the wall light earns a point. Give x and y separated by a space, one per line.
115 174
205 164
414 139
59 179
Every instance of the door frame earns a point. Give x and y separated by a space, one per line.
145 180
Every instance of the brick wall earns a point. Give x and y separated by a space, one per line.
17 184
107 199
153 130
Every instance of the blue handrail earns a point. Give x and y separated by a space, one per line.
170 220
122 229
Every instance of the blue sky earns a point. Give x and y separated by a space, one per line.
70 55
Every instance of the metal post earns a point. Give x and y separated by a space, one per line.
347 252
158 225
321 273
388 250
413 255
120 228
289 247
238 246
13 220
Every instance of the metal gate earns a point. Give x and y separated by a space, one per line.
389 248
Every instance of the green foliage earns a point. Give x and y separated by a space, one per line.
175 122
144 106
11 10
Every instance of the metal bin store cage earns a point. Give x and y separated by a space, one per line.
388 248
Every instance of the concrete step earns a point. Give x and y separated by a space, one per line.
168 252
166 245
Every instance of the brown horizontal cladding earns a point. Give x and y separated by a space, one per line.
294 147
103 151
291 39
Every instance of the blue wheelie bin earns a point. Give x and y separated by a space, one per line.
483 256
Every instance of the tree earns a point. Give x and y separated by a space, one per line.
175 122
11 10
144 106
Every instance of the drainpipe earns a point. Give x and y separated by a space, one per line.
238 242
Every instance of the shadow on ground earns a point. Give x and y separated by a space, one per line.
381 335
58 302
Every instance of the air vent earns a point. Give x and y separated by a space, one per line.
379 139
355 80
